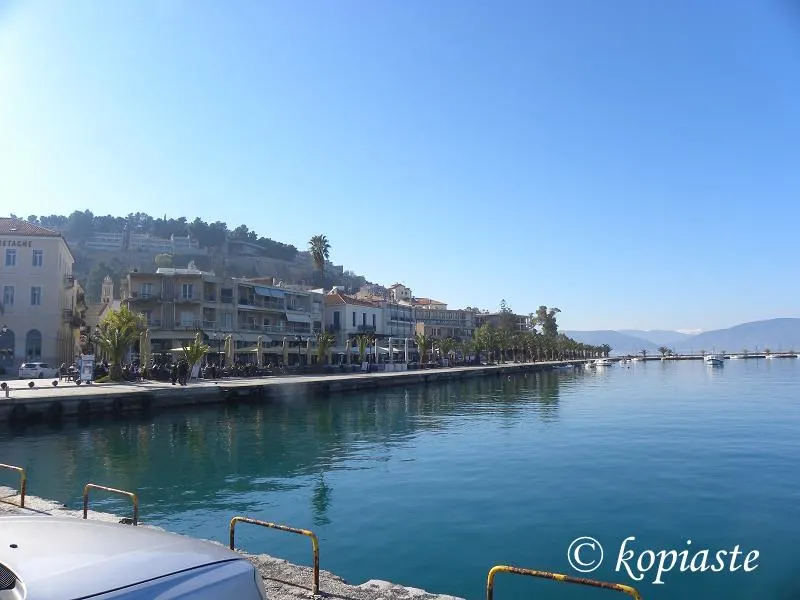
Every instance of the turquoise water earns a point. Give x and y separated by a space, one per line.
430 487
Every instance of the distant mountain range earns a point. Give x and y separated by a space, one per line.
773 334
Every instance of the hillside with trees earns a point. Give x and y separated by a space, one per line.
213 239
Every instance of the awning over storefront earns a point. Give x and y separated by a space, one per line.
298 317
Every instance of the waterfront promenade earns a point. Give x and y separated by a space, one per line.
20 403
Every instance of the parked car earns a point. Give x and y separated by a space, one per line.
33 370
50 558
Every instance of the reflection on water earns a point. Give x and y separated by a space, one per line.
431 485
189 459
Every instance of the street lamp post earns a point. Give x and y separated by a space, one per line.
3 332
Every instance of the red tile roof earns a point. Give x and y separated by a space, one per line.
11 226
425 301
339 298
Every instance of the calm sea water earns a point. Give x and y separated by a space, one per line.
430 487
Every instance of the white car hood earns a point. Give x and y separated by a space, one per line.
65 557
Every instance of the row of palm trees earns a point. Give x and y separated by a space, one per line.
501 345
497 345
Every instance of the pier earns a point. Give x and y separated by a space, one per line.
52 401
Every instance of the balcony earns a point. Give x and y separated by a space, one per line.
69 281
66 315
187 298
188 324
333 328
209 324
366 329
209 297
154 324
143 296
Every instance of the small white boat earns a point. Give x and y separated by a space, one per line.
603 362
567 367
715 360
736 356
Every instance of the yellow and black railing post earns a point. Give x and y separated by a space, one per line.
23 482
616 587
93 486
305 532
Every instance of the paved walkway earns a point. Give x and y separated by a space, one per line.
43 388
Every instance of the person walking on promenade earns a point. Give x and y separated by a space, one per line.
183 372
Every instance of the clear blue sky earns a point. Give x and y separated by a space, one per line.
636 164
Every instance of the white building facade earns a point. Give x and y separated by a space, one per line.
37 296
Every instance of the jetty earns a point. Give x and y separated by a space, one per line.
50 400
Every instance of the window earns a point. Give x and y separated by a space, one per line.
364 319
187 291
148 316
146 290
33 345
36 295
11 257
227 320
38 258
186 318
8 296
373 321
354 318
336 318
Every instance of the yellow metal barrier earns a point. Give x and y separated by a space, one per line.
616 587
23 483
93 486
305 532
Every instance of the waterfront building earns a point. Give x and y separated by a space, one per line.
38 295
177 303
428 304
391 323
346 317
442 323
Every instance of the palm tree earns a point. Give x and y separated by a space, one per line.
664 351
363 340
446 346
325 341
466 347
423 345
320 249
117 333
195 351
643 353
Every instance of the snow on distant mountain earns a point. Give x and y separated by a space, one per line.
620 343
775 334
659 337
